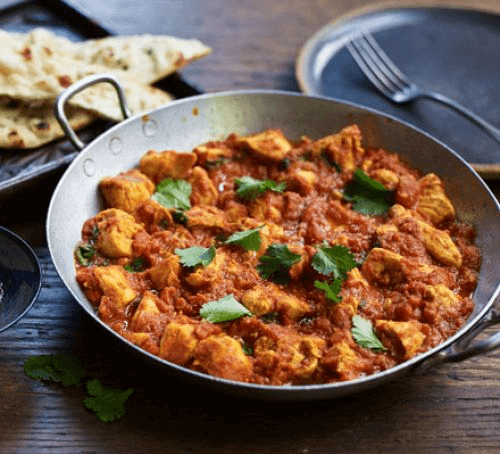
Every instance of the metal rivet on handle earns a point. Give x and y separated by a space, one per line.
115 145
89 167
149 128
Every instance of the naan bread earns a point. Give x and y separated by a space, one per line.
145 59
25 125
36 67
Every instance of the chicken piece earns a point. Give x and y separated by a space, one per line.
223 356
270 144
143 340
206 216
154 215
178 343
387 177
208 275
405 338
166 164
384 267
166 272
145 314
293 355
439 244
302 180
127 190
442 295
343 148
270 298
212 153
268 208
433 203
269 233
204 191
292 307
259 301
116 231
357 289
114 284
343 360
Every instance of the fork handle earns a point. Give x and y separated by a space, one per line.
489 128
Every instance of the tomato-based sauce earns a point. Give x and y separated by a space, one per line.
267 261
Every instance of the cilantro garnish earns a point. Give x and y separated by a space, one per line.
196 255
107 403
367 195
135 266
270 317
60 368
248 239
173 194
249 188
336 260
332 290
85 253
179 217
223 310
364 334
276 262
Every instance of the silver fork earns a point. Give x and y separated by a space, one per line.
392 83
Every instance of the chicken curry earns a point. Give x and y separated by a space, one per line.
267 261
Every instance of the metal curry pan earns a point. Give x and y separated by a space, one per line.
183 124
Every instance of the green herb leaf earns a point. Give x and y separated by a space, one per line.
367 195
223 310
249 188
276 262
270 317
135 266
196 255
107 403
332 290
179 217
336 260
173 194
85 253
248 239
364 334
60 368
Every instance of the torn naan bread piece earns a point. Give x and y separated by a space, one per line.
25 125
144 58
36 67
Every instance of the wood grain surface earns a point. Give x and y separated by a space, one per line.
452 409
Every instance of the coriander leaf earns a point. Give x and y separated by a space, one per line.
223 310
249 188
336 260
364 334
179 217
248 239
367 195
276 262
196 255
85 253
173 194
135 266
60 368
332 290
107 403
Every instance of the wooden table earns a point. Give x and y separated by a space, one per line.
452 409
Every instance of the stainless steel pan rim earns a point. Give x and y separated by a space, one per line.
252 110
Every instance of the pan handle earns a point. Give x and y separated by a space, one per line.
466 346
77 87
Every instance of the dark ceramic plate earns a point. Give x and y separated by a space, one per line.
450 50
20 278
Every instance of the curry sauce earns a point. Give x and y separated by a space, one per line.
268 261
